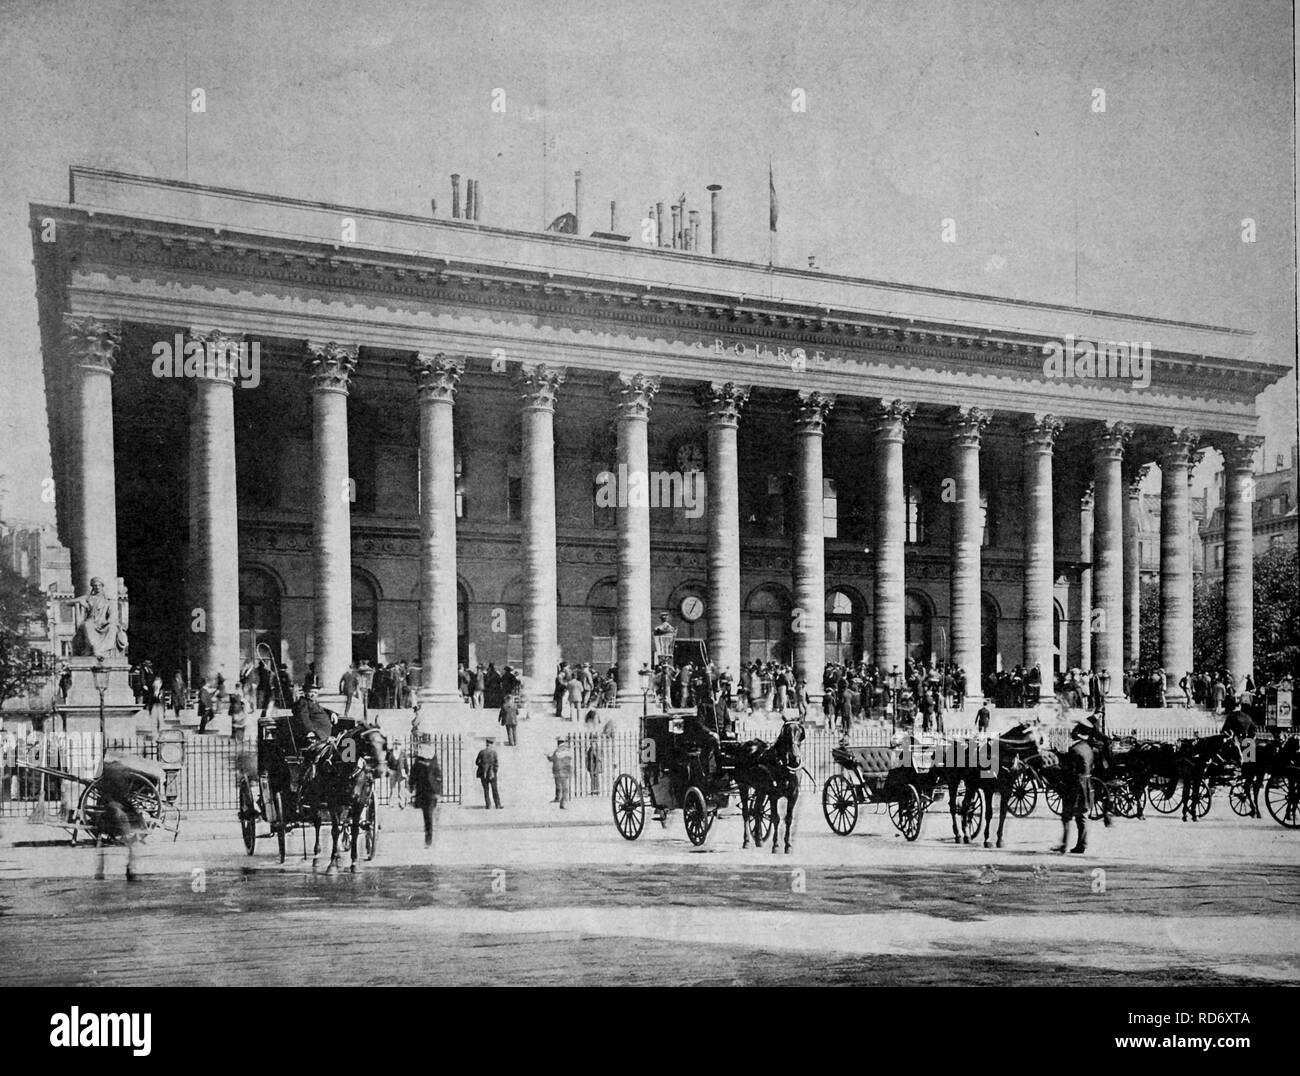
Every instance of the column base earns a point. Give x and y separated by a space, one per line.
428 696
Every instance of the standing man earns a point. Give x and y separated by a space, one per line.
207 699
509 717
562 769
982 720
237 719
426 773
348 687
178 692
485 767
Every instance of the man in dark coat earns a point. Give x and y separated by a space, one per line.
485 769
426 774
509 717
121 817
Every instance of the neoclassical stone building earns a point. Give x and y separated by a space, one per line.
889 471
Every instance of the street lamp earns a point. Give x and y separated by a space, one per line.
364 675
100 674
895 687
1104 680
643 677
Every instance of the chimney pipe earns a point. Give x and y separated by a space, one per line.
478 200
715 224
577 203
677 225
613 230
455 195
695 230
659 218
433 207
469 199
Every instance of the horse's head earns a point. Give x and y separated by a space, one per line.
786 750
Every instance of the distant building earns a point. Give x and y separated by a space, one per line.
1273 515
33 551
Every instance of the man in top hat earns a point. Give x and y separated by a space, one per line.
485 768
426 772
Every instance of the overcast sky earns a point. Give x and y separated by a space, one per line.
917 111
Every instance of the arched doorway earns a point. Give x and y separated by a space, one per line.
767 622
365 620
843 628
918 619
259 612
990 657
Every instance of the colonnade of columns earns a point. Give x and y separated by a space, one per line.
93 345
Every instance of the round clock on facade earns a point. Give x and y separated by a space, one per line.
692 608
690 457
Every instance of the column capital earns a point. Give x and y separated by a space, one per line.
1181 447
814 407
436 375
330 365
1135 479
1088 498
219 364
723 400
965 425
1111 439
634 394
538 383
1239 452
92 343
1040 431
891 419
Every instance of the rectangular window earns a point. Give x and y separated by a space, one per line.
830 508
604 637
514 499
915 519
604 514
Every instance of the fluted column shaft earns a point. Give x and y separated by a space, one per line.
1108 555
436 376
1238 556
889 583
92 346
1039 436
723 402
538 384
1133 569
214 524
809 627
633 395
1176 462
1087 517
964 577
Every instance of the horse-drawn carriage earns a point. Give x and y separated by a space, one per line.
905 779
295 783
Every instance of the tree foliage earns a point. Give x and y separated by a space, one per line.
1276 620
20 603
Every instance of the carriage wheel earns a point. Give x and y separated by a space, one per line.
840 804
758 816
972 812
1022 794
1122 800
1162 794
697 816
1201 805
629 807
1099 798
1282 798
143 795
280 823
247 817
1052 797
907 813
1239 798
370 825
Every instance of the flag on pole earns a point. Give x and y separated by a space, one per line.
771 192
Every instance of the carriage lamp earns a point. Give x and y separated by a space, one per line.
100 675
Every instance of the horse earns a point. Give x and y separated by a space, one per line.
342 782
1270 758
1016 744
770 773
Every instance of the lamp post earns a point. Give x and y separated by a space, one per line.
100 675
643 677
364 676
1104 680
895 687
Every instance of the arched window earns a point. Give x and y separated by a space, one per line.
365 622
259 612
990 658
917 621
915 516
602 602
843 629
768 623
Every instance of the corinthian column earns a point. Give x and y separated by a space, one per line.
1108 555
538 384
1178 456
436 376
214 526
92 346
723 402
964 616
891 422
1086 520
633 396
1238 555
809 627
1038 437
330 367
1133 567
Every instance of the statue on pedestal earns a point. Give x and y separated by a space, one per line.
101 624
